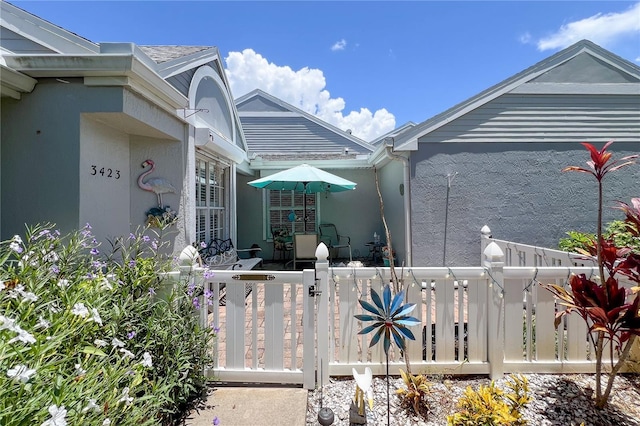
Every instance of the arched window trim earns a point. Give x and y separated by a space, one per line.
207 72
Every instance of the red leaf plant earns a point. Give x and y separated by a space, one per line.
610 310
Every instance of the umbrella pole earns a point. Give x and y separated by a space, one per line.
304 207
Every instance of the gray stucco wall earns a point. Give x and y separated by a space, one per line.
517 189
40 156
391 177
53 136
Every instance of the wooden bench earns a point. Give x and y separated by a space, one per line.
220 254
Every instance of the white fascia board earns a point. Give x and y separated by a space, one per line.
15 80
103 70
43 32
185 63
213 142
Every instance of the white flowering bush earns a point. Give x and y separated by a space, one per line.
85 340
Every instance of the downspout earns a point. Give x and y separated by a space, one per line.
408 243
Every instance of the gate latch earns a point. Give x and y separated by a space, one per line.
313 292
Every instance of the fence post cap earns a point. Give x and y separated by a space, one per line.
486 231
322 252
493 255
189 257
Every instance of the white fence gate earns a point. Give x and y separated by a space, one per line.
299 327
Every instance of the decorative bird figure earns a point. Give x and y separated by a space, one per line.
157 185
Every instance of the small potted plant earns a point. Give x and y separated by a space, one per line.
386 255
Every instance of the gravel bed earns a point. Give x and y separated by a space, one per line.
556 400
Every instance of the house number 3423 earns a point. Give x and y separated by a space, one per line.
105 172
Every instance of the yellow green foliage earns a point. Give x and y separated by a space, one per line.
489 405
416 391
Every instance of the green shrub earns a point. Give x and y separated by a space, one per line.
579 242
491 406
85 338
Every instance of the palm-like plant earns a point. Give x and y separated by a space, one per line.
390 318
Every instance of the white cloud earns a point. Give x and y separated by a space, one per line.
339 45
602 29
304 89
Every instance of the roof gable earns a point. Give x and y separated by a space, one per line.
601 68
275 127
31 30
585 68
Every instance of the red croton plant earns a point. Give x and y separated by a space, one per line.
610 309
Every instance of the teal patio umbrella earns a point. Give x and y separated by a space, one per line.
306 179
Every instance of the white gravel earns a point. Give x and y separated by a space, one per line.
556 400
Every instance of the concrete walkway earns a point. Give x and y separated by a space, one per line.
252 406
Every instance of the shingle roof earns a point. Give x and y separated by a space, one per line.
162 54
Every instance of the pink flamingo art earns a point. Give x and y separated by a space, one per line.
157 185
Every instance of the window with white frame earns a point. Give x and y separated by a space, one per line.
286 211
211 200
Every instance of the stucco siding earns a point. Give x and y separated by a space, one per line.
40 155
546 118
517 189
104 179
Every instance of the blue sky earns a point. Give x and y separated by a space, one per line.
365 66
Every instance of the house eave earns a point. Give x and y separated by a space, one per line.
102 70
14 83
258 163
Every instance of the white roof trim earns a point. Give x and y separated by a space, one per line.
98 67
185 63
43 32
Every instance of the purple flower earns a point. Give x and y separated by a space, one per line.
152 291
94 251
146 238
196 303
132 263
55 269
191 288
215 329
131 335
87 226
208 274
131 236
154 244
216 421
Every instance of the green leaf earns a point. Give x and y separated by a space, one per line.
92 350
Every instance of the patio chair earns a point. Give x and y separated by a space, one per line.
334 241
304 248
282 243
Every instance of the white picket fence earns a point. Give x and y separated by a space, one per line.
491 319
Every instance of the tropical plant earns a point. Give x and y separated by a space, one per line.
390 318
415 393
579 242
491 406
612 319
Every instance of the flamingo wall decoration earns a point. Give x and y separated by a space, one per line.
157 185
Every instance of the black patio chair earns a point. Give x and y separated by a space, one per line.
334 241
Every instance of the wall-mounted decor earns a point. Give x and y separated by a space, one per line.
161 217
157 185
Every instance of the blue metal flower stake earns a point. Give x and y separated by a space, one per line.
391 318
